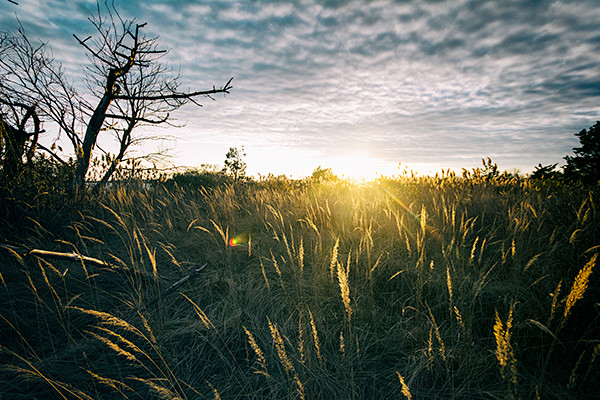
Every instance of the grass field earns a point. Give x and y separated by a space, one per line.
411 287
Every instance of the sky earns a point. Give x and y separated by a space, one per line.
361 86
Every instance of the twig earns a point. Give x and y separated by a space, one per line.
173 287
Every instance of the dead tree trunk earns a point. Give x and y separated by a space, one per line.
111 89
134 77
14 140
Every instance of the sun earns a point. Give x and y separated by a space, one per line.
364 168
360 167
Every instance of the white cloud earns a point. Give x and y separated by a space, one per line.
414 81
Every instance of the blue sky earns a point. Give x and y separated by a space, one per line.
360 86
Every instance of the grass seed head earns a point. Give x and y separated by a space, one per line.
579 286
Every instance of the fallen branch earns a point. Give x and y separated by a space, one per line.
75 257
173 287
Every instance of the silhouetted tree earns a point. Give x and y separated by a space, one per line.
20 108
235 164
320 174
545 172
585 165
129 87
133 86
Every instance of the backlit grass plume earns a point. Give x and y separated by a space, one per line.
405 389
504 349
579 285
259 353
285 360
342 274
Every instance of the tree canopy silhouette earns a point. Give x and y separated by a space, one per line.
235 164
585 165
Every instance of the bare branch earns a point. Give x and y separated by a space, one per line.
53 154
224 89
94 53
140 119
74 257
193 272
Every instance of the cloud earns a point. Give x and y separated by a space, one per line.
409 80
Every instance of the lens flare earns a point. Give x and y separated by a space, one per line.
427 226
238 240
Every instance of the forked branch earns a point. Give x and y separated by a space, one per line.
224 89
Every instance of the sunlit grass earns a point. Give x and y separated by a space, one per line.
407 287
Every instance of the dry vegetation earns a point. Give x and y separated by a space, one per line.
423 288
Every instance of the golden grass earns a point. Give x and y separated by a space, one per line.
200 313
579 285
159 390
438 335
315 336
114 347
555 295
259 353
420 300
216 394
334 255
285 360
504 350
343 280
33 373
449 284
111 320
405 389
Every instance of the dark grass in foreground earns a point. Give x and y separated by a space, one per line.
430 288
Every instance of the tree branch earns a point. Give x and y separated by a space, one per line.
140 119
173 287
224 89
94 53
57 158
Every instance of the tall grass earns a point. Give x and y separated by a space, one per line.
445 287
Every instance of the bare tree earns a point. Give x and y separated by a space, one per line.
31 80
24 70
128 83
134 85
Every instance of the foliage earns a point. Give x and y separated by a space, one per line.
195 179
545 172
36 193
320 175
277 182
585 165
415 287
583 168
235 165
